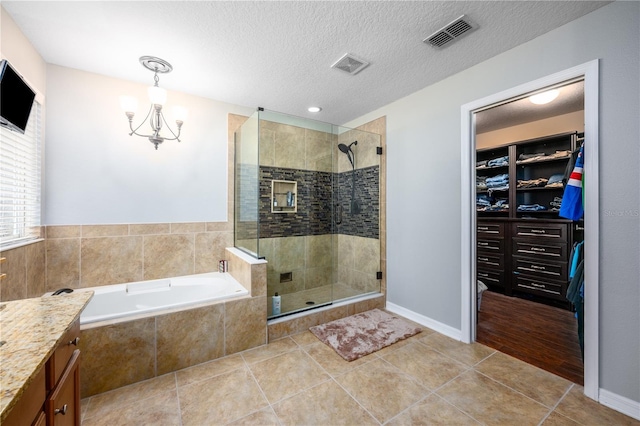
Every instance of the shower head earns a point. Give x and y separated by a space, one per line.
347 150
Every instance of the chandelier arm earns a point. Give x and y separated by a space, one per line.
135 131
175 137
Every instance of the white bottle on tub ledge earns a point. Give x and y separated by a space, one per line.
275 304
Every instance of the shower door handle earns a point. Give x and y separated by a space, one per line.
338 214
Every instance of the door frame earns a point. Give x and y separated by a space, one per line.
590 72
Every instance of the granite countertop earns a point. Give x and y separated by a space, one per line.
30 331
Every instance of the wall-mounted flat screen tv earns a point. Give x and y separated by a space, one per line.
16 99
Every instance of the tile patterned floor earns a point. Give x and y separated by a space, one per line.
297 380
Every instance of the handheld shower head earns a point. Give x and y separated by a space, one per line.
347 150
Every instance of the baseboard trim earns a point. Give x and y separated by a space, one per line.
427 322
619 403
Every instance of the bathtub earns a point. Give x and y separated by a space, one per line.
123 301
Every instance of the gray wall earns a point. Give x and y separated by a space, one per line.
423 198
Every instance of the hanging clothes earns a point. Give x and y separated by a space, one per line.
575 294
572 202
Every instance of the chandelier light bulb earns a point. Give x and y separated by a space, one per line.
157 95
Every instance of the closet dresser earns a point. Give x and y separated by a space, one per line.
523 246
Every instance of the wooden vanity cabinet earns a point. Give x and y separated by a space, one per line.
29 410
53 397
63 405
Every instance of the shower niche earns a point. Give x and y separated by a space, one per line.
283 196
307 201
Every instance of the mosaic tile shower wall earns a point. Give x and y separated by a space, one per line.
319 205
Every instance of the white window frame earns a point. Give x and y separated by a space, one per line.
21 183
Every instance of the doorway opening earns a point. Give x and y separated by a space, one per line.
589 73
525 246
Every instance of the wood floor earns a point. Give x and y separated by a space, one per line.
538 334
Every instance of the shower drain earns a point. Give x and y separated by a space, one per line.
311 302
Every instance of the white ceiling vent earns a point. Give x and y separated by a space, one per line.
450 32
351 64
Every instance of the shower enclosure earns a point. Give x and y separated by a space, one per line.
307 200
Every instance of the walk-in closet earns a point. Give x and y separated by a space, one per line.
530 229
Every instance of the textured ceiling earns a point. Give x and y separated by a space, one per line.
277 54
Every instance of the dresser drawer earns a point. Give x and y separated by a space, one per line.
62 354
491 246
545 249
490 229
490 261
545 270
490 277
540 287
557 231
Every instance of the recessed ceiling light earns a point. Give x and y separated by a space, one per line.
314 109
544 97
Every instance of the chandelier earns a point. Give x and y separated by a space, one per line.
157 97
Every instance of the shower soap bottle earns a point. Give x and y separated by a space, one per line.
275 304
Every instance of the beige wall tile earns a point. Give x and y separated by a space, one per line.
63 263
289 254
90 231
65 231
318 277
189 337
221 226
110 260
258 280
35 260
185 228
149 228
116 355
318 251
14 285
245 324
289 147
239 269
168 255
211 247
267 147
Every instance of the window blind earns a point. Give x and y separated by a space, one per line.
20 182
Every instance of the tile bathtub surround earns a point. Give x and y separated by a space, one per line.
297 380
94 255
129 352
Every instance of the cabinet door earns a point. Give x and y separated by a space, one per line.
63 406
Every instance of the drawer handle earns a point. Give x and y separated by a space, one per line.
483 259
483 275
483 228
538 249
537 285
62 410
542 268
480 243
75 341
538 231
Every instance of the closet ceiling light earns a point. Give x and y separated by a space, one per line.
314 109
544 97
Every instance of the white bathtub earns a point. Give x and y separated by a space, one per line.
137 298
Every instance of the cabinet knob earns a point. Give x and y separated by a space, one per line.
62 410
75 341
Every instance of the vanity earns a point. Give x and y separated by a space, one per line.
40 360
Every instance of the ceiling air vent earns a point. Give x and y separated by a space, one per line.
450 32
351 64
